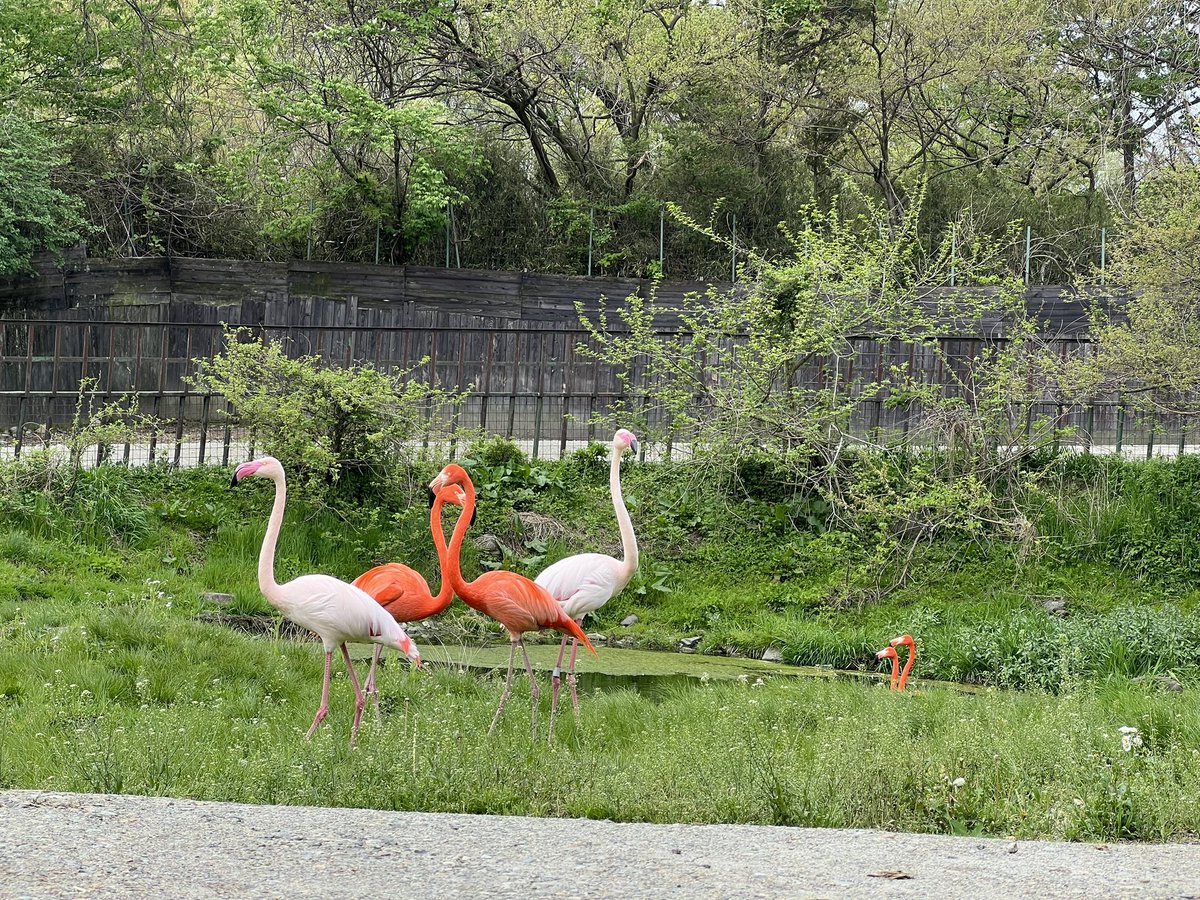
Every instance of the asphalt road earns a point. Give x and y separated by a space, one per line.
84 845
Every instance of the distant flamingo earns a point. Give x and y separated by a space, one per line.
907 640
336 611
890 653
585 582
511 599
403 591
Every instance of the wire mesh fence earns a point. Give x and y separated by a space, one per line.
538 386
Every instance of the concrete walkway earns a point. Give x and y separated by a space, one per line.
83 845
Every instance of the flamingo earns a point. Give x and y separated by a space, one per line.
890 653
336 611
585 582
906 640
513 600
403 591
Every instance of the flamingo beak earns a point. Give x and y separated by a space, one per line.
635 446
432 496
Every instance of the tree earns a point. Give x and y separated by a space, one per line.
34 212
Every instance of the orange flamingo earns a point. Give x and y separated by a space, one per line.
890 653
906 640
402 590
513 600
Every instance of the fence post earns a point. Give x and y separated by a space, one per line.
1120 426
1103 235
953 251
733 250
662 209
449 213
591 231
312 206
1028 236
377 228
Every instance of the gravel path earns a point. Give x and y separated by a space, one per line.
56 845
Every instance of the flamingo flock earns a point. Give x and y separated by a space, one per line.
371 609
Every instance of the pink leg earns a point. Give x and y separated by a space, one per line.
323 709
369 687
359 700
533 688
512 655
571 671
555 680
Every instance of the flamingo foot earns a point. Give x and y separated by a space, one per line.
322 712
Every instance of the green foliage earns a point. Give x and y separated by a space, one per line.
324 424
35 213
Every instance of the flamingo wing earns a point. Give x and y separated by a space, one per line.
339 612
583 583
401 590
520 605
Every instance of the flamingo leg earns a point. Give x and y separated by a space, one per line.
571 672
369 686
533 689
359 700
323 709
512 656
555 681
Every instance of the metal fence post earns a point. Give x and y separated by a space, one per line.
1028 235
312 206
1103 235
591 232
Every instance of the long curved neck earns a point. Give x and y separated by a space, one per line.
452 569
628 541
266 557
445 593
912 651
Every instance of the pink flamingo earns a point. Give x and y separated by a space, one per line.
511 599
906 640
585 582
336 611
890 653
402 590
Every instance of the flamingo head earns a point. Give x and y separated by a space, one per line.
452 494
625 440
406 646
886 653
451 475
267 467
905 639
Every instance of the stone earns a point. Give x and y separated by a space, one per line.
598 638
690 643
630 619
217 598
772 654
1055 607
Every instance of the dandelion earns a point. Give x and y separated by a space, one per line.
1130 738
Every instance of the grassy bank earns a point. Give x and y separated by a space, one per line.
110 682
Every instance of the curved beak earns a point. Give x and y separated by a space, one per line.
635 446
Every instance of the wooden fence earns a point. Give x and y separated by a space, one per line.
136 327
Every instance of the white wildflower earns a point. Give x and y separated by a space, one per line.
958 782
1130 738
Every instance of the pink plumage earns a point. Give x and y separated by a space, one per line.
585 582
336 611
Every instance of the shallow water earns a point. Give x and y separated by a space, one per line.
652 673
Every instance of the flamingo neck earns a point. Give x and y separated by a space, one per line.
912 652
895 672
266 557
629 545
445 594
452 568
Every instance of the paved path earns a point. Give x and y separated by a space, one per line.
65 845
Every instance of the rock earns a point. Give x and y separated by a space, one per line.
772 654
690 643
598 638
630 619
217 598
1166 682
1055 607
1012 848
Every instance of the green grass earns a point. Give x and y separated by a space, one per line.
126 696
109 682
